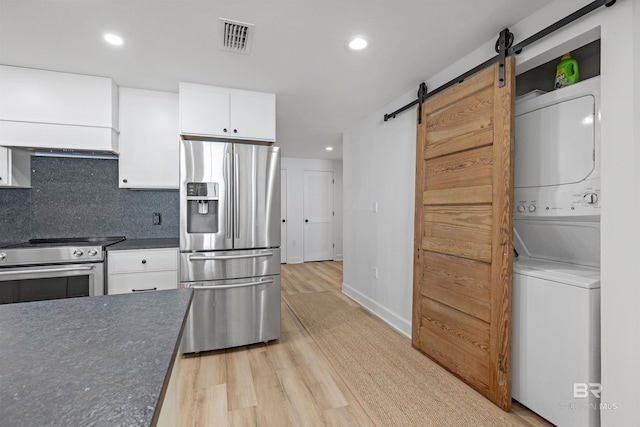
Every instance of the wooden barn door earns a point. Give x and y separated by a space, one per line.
463 232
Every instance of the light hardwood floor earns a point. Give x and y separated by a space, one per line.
287 382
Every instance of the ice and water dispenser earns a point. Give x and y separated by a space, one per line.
202 207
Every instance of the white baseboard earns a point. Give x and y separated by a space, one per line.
294 260
402 325
338 257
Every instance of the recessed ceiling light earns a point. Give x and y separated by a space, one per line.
113 39
358 43
329 148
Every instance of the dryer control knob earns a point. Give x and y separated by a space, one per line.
521 208
532 208
590 198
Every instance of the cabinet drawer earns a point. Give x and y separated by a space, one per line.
136 261
138 282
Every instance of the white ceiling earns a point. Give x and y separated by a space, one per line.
298 50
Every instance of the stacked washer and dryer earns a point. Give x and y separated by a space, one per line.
556 273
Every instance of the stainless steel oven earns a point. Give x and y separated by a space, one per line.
22 284
52 269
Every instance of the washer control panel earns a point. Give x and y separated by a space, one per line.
552 201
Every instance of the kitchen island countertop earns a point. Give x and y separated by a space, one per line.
92 361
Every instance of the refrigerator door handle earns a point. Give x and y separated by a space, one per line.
228 257
236 197
239 285
227 177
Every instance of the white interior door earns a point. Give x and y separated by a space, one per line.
283 214
318 215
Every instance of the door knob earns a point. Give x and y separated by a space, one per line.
284 220
306 220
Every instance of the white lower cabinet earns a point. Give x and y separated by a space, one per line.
142 270
169 410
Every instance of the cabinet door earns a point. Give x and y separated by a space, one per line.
204 110
4 166
149 139
253 116
15 168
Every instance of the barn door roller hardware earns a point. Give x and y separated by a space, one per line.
422 96
504 48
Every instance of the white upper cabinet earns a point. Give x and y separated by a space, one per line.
227 113
15 168
149 139
204 110
53 110
253 115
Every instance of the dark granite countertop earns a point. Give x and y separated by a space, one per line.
5 244
130 244
92 361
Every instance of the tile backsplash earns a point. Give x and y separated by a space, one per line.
78 197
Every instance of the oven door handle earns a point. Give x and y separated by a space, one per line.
46 270
227 257
239 285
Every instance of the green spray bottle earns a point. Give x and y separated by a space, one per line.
566 72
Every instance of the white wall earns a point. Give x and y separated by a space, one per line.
295 215
379 162
379 159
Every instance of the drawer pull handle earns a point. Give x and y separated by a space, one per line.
144 290
144 261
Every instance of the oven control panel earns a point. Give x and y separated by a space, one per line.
87 253
22 255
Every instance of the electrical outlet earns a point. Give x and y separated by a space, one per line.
157 218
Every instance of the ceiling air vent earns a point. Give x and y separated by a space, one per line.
236 36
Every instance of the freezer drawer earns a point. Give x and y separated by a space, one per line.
205 266
231 313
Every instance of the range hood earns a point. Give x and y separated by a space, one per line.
48 136
76 154
50 110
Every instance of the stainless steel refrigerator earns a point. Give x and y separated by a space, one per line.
230 243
